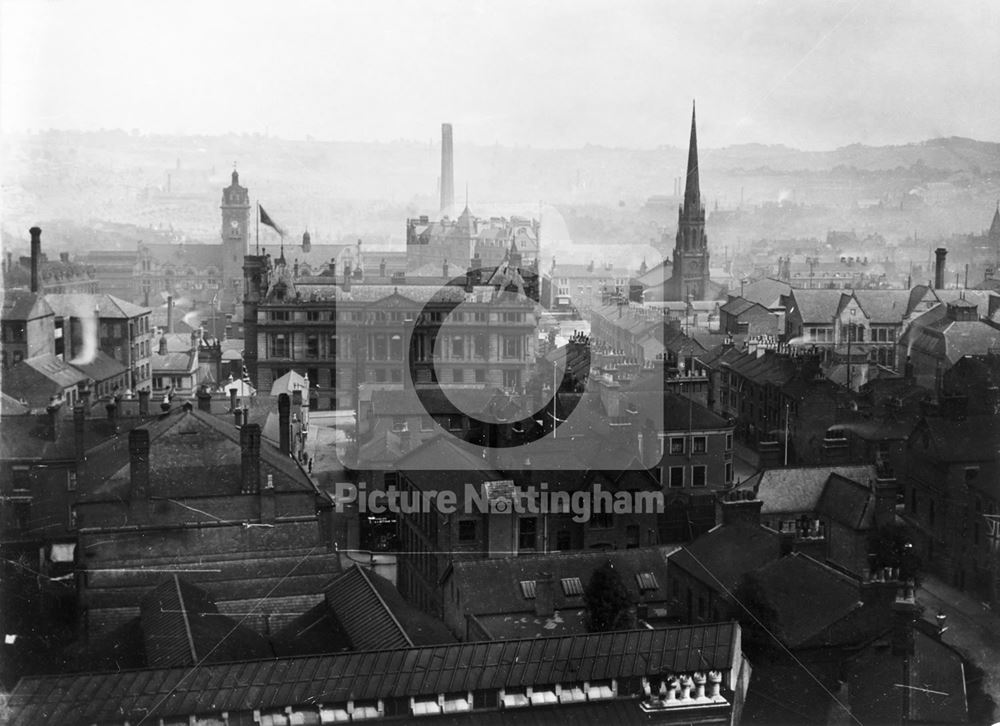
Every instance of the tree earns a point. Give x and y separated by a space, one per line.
607 600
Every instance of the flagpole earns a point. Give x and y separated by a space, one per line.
258 228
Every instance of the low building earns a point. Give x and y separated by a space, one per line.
517 597
684 674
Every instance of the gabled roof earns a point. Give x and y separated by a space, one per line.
884 306
191 453
362 612
935 667
808 597
492 587
85 304
800 489
848 502
443 461
181 626
101 368
974 438
37 379
721 556
816 306
767 292
167 693
186 362
24 305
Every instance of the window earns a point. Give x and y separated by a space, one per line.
399 423
485 698
479 345
380 348
511 379
676 476
280 316
312 346
528 589
646 581
458 347
279 346
700 444
729 472
527 531
572 586
426 423
631 536
458 375
312 315
467 530
729 442
480 375
511 346
677 445
698 475
396 347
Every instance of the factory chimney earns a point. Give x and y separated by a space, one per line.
36 253
940 254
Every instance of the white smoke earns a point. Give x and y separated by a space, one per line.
88 335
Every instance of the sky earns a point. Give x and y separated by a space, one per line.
558 74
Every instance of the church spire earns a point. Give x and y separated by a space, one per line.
692 189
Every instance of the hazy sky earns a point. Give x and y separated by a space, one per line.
519 72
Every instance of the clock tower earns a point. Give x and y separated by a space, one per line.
235 236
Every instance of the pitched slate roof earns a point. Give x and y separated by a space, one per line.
181 625
816 306
101 368
935 667
721 556
177 692
24 305
37 379
766 292
808 597
191 453
492 587
800 489
365 616
884 306
106 306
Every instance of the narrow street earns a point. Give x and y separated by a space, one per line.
971 629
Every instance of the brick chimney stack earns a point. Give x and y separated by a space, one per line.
545 595
79 420
170 315
447 168
36 255
53 411
940 253
250 458
144 403
138 451
740 506
284 424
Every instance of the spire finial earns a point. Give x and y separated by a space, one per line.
692 190
466 195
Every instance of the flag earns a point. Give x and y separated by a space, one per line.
265 219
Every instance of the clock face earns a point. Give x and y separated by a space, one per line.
234 224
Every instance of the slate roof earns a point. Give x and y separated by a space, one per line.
101 368
492 587
174 362
848 502
934 667
884 306
808 597
974 438
388 402
816 306
177 692
10 406
181 256
181 626
800 489
766 292
721 556
37 379
362 612
107 306
424 465
24 305
191 453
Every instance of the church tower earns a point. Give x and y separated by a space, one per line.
235 236
690 275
